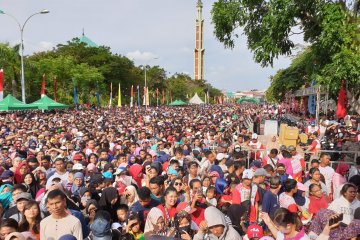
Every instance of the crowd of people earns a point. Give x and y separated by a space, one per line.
194 172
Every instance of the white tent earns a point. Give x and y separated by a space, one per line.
196 100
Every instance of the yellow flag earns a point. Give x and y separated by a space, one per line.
119 97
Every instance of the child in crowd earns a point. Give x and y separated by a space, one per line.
211 196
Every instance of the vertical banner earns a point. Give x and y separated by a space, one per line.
55 88
138 89
163 97
76 101
147 97
110 101
341 110
1 84
312 102
132 96
42 93
119 96
157 97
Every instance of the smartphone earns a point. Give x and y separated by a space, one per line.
200 191
335 220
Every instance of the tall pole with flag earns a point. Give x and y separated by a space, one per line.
76 101
1 84
43 86
119 97
110 101
132 96
55 87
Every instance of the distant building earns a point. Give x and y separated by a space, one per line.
87 41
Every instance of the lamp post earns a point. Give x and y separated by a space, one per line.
21 28
145 67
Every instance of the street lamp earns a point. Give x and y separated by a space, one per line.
21 28
145 67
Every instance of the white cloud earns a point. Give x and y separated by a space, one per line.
139 56
44 46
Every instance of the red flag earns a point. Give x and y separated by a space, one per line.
1 84
43 86
341 110
132 91
55 89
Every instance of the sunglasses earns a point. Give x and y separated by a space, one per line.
178 184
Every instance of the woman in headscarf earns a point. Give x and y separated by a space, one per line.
273 143
5 196
131 195
109 201
155 224
78 184
238 214
339 178
20 171
90 210
135 172
31 183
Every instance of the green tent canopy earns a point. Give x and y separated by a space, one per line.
46 103
177 103
253 100
11 103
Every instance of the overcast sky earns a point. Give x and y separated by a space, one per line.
142 30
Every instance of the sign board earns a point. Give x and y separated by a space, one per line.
271 128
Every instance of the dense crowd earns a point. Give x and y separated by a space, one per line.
196 172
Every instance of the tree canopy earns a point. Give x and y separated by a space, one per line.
329 28
91 70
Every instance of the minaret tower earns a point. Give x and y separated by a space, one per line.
199 47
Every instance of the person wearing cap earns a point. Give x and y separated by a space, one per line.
247 191
221 159
312 128
254 232
256 147
101 228
7 177
297 163
21 200
259 178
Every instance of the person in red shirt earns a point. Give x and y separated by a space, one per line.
317 199
247 191
168 208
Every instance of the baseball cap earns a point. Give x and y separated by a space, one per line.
107 175
254 136
291 148
221 156
248 173
255 231
282 148
78 166
101 229
67 237
23 195
77 157
260 172
184 206
312 123
119 170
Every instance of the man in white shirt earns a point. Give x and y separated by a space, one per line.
327 172
60 222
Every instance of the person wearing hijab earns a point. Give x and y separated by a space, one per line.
90 210
5 196
155 224
135 172
339 178
237 214
33 187
217 226
78 184
109 201
131 195
20 171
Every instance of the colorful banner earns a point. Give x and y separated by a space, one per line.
341 110
132 96
1 84
76 101
119 96
42 93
